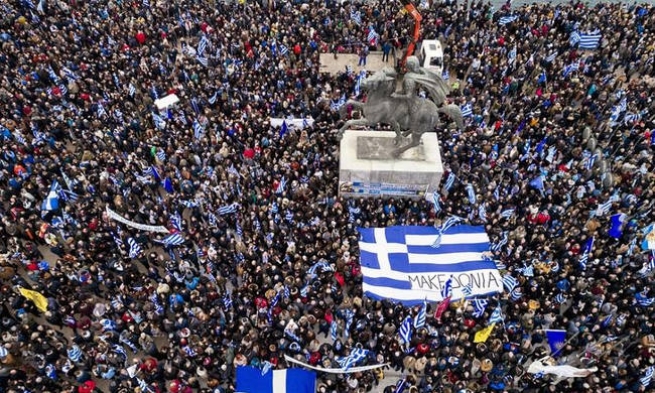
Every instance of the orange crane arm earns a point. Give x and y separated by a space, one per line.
411 9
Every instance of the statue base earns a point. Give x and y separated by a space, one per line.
367 167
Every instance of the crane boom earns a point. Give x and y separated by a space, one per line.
411 10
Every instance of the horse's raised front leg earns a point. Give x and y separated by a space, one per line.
351 123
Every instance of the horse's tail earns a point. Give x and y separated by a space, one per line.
454 113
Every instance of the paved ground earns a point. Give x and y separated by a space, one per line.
373 62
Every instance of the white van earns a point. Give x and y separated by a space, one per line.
431 56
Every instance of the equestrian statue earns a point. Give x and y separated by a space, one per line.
405 111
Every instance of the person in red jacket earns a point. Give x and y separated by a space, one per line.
140 37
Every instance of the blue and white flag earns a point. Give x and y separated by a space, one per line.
161 155
649 238
450 222
176 221
559 298
556 340
50 371
527 271
467 110
507 19
421 317
551 57
574 38
402 384
198 130
227 209
160 123
643 300
434 198
590 41
503 240
135 248
400 263
356 355
482 212
75 353
266 367
512 55
575 66
51 201
516 294
293 380
471 193
174 239
648 376
450 181
510 282
479 306
405 330
584 259
507 213
497 316
202 45
334 330
281 185
372 36
202 60
356 17
603 208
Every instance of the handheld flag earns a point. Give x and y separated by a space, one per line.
51 201
419 321
616 225
39 300
405 331
649 237
584 259
479 305
556 340
483 335
356 354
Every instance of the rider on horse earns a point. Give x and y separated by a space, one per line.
418 76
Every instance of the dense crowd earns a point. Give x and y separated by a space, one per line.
267 256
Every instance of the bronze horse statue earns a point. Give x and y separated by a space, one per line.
407 115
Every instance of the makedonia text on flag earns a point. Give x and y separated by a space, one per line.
400 263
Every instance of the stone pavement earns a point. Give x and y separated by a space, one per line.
373 62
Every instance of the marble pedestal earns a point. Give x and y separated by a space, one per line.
368 169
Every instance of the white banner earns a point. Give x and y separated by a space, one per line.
167 101
148 228
291 123
334 370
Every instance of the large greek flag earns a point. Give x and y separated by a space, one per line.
294 380
400 263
